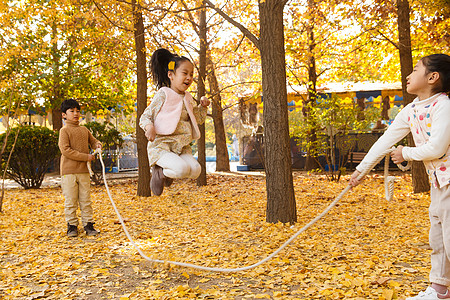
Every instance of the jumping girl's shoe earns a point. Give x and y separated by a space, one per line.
158 180
168 181
429 294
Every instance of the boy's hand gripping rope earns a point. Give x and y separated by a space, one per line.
389 184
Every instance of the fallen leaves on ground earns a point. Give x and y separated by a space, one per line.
364 248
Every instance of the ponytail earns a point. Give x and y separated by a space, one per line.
439 63
161 62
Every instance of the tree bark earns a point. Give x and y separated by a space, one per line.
143 188
279 184
222 158
311 163
419 176
56 116
201 180
281 205
56 98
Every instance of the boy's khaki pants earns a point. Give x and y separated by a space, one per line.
440 235
76 189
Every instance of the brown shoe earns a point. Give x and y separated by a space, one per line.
157 181
89 228
168 181
72 230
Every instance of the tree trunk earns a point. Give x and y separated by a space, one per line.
311 163
222 159
56 98
419 176
143 188
56 116
201 180
280 191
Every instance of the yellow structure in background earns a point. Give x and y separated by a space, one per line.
348 92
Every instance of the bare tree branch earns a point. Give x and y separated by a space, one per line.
241 27
232 85
191 18
109 20
389 40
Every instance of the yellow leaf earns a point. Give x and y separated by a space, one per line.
388 294
394 284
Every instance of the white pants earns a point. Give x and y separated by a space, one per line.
440 235
76 189
179 166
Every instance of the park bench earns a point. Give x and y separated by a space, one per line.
356 158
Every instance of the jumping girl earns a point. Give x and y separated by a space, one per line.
428 119
170 121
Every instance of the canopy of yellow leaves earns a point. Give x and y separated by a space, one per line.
365 248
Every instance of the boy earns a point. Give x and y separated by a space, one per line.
74 141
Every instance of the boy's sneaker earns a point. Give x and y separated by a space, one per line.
72 230
89 228
429 294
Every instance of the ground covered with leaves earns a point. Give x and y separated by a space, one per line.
365 248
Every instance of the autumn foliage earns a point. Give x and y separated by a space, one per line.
365 248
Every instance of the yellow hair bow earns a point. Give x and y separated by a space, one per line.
171 65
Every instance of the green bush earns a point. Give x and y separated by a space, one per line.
330 119
35 150
106 134
111 139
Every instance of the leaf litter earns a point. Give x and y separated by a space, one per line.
365 248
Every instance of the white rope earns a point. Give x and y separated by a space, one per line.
188 265
389 181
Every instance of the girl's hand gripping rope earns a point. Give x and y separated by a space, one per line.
397 156
354 181
204 101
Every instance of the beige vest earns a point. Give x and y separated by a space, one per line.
167 119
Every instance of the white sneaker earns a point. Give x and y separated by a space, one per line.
429 294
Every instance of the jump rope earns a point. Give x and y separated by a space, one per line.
389 189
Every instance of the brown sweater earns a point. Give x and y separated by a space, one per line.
74 141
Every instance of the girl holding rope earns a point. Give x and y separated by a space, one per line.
428 119
170 121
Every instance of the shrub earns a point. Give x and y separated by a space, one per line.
35 150
106 134
111 139
331 119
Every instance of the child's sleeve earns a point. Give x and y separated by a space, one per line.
397 131
439 140
200 113
149 114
